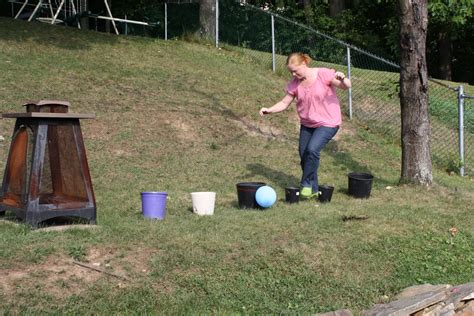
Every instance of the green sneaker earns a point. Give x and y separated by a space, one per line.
306 193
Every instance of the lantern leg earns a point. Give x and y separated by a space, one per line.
81 150
6 176
33 216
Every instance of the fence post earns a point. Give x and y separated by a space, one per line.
126 25
273 43
217 23
166 21
349 76
461 128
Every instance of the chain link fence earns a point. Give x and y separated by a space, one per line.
445 122
469 134
374 99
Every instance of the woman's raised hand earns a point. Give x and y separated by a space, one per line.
340 75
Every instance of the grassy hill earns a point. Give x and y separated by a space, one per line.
182 117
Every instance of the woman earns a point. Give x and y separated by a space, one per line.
319 110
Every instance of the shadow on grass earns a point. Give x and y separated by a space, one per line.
282 179
21 31
9 217
344 159
56 222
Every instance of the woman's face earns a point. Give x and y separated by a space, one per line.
297 71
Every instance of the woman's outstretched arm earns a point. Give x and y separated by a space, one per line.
278 107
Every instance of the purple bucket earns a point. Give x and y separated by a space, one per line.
154 205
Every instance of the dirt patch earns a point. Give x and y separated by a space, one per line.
260 129
127 263
106 125
153 124
183 127
57 276
60 278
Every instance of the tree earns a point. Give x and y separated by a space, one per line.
415 132
207 17
336 7
308 11
446 18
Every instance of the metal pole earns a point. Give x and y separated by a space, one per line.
126 26
349 76
217 23
122 20
21 9
57 12
461 128
112 18
51 8
273 43
75 14
166 21
35 10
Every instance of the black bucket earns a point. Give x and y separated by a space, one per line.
246 194
360 184
292 194
326 193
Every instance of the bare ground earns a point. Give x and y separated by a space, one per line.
59 277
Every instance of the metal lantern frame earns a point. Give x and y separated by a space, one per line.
47 174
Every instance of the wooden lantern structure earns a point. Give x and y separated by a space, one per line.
47 174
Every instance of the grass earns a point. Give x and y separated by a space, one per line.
182 117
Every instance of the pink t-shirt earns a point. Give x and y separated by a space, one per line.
317 104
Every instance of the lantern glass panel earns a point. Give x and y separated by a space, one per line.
62 178
19 167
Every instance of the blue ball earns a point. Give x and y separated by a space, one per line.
265 196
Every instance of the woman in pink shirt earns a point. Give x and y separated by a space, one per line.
318 107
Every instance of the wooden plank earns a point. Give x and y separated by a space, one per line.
49 115
408 306
49 102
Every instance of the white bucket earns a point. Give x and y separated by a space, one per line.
203 202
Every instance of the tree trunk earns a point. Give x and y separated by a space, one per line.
336 7
207 17
444 49
308 16
84 20
415 133
355 3
308 12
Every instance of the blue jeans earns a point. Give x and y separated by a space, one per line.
312 141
